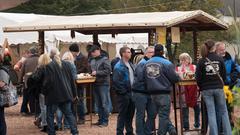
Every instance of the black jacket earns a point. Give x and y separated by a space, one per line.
205 75
59 85
81 63
35 82
102 67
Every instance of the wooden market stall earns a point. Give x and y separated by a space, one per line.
158 25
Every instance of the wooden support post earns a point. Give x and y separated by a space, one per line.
41 42
151 38
95 38
195 45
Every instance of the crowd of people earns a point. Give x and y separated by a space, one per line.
143 89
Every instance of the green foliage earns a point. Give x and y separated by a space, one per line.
67 7
62 7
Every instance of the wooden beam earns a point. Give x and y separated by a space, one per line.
114 31
195 45
41 42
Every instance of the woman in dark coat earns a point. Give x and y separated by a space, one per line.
60 92
4 78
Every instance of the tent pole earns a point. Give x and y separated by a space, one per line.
41 42
95 38
151 38
195 45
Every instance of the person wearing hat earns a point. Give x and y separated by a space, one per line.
159 78
101 68
28 67
82 66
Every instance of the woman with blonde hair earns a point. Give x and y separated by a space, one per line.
37 80
186 70
68 57
60 92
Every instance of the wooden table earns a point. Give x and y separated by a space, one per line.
179 86
89 81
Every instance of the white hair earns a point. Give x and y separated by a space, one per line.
54 51
185 56
149 47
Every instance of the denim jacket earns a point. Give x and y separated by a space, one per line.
139 84
160 75
121 79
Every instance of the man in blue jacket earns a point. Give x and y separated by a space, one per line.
123 77
232 72
142 99
159 76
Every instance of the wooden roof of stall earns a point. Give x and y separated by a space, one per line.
122 23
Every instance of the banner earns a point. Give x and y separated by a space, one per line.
161 35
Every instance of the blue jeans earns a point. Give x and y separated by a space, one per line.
24 106
143 102
3 126
185 111
109 102
126 111
43 107
65 107
163 104
100 93
216 103
80 105
60 119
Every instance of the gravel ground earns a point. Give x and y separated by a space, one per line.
23 125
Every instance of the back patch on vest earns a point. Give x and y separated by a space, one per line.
153 70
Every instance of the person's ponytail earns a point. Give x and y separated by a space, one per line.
58 60
206 48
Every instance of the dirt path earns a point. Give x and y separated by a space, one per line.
22 125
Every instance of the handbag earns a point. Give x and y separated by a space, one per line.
8 95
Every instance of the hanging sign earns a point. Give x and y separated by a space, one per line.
175 34
161 35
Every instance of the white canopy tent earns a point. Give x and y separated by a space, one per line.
153 19
149 22
52 38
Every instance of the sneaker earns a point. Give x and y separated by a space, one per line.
196 126
66 127
81 122
103 125
173 132
44 129
37 122
96 124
